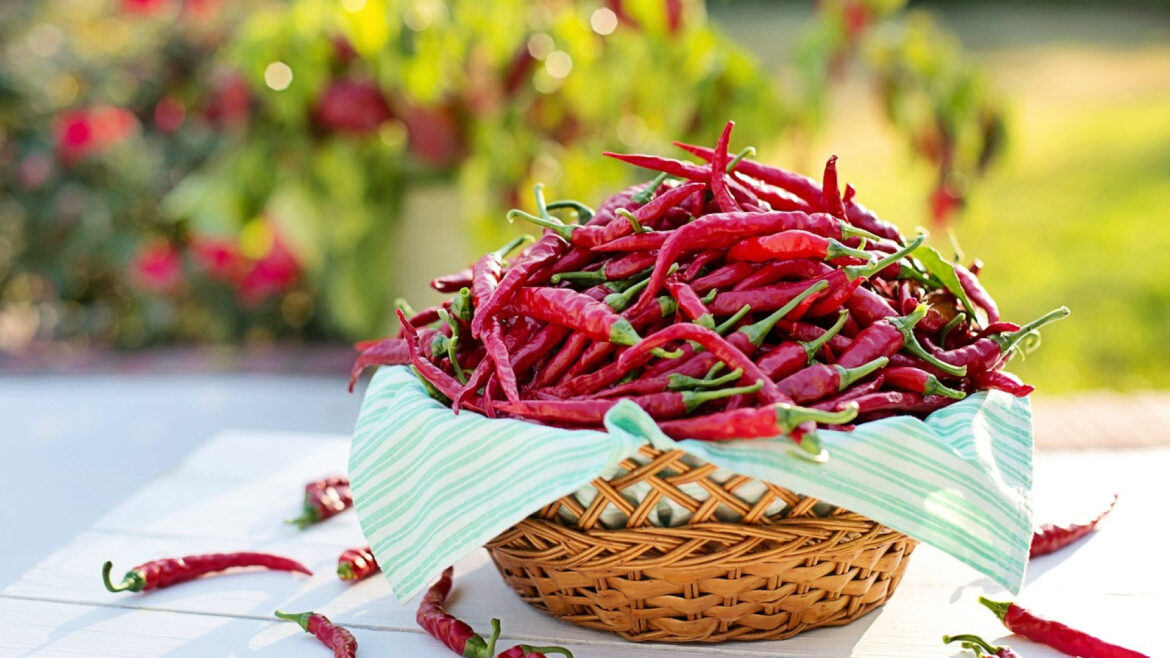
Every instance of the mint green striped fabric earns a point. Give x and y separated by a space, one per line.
431 486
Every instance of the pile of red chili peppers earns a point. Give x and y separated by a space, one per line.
727 298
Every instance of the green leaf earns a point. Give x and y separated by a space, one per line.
945 271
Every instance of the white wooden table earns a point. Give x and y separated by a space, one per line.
234 491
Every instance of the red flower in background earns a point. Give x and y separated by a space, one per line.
944 203
157 267
84 131
354 107
219 258
274 273
231 102
143 6
434 134
169 114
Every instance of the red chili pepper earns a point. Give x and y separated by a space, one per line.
752 423
356 564
455 634
573 309
1050 537
342 642
560 363
820 380
831 191
769 273
789 357
986 354
977 293
864 218
1002 381
808 332
637 242
899 401
681 380
888 336
723 199
915 380
445 384
612 270
157 574
422 318
791 244
526 651
803 187
660 406
724 277
868 307
700 263
980 646
540 254
839 401
386 352
1054 634
777 198
453 282
690 304
710 341
677 168
497 353
323 499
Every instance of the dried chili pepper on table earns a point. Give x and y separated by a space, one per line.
343 643
980 646
526 651
157 574
1049 537
1055 634
356 564
454 633
324 498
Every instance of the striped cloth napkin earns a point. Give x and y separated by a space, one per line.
431 486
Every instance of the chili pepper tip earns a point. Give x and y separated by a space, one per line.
132 582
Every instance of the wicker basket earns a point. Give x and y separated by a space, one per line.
781 569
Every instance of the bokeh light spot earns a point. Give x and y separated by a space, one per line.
603 21
278 76
353 6
540 45
558 64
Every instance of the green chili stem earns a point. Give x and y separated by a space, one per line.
133 582
345 571
949 327
433 392
706 320
400 303
620 301
307 518
643 196
1008 342
935 387
507 249
851 231
847 376
1000 608
836 250
546 650
301 618
811 347
710 296
638 228
565 231
493 638
538 196
746 152
789 416
757 332
730 322
589 276
695 399
974 640
677 382
584 212
855 271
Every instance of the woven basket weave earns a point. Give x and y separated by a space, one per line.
782 568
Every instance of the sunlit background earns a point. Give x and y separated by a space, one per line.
201 172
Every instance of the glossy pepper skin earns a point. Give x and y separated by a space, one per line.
343 643
157 574
387 352
821 380
664 405
572 309
324 498
752 422
1050 538
356 564
455 634
1055 634
986 354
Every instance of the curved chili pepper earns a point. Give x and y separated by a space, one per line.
985 354
710 341
421 318
803 187
690 304
769 273
845 280
840 400
1002 381
724 277
445 384
976 292
356 564
1054 634
787 245
899 401
915 380
454 281
980 646
677 168
636 242
891 334
157 574
526 651
386 352
700 263
572 309
831 191
789 357
821 380
752 423
455 634
612 270
324 498
718 181
1049 537
564 359
777 198
343 643
665 405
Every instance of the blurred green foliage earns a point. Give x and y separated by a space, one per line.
200 170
